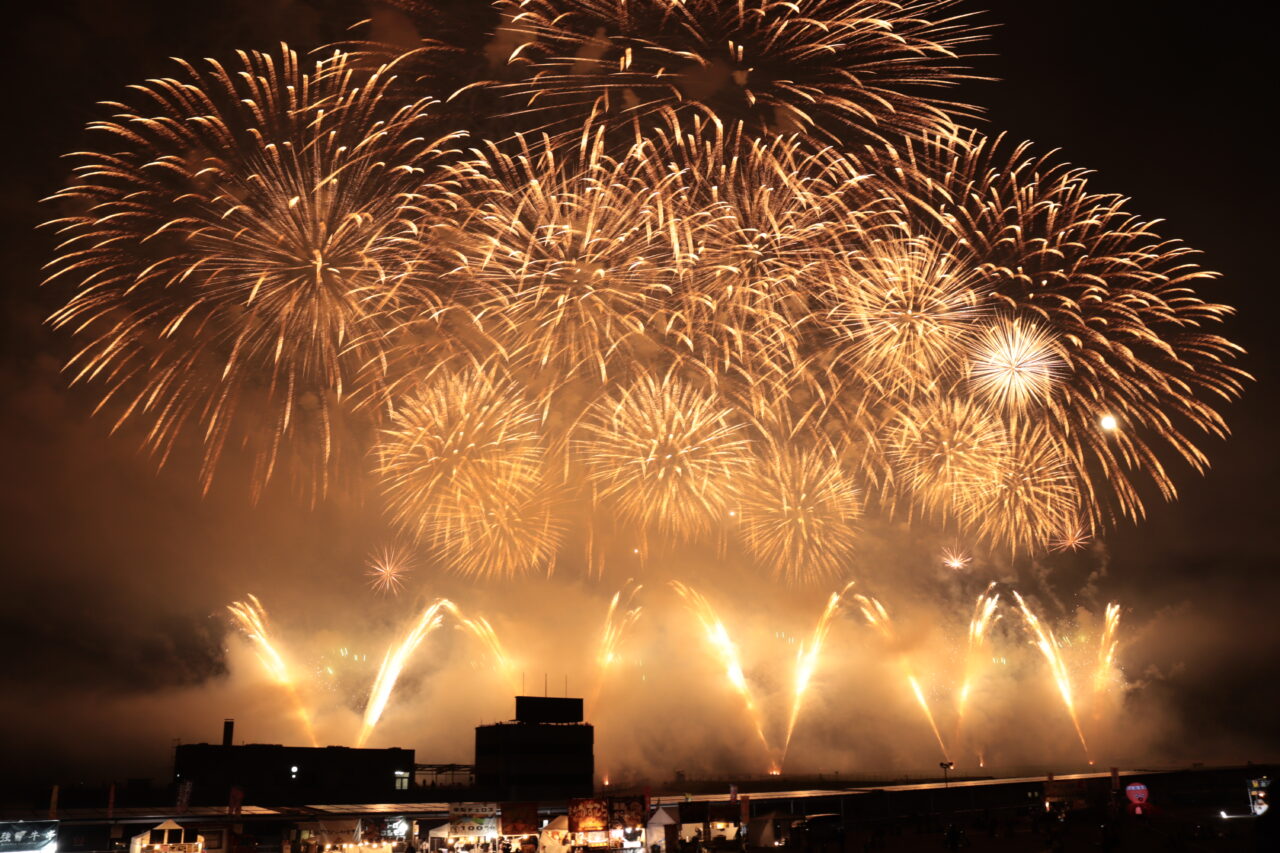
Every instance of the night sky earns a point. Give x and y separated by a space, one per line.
114 576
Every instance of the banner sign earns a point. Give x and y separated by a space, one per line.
29 836
520 819
473 819
627 813
588 815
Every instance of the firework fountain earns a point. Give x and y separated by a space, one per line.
251 617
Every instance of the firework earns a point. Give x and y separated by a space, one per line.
807 661
1014 364
1073 538
461 463
1047 643
979 624
480 628
1114 299
665 454
905 309
819 67
239 256
798 508
251 616
1027 497
955 559
944 452
387 569
763 287
393 663
618 620
566 254
878 618
1104 673
725 650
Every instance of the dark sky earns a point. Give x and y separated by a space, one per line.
113 576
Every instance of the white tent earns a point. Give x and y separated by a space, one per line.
554 837
655 831
143 840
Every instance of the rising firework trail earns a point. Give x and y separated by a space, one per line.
251 616
479 627
979 624
618 620
1105 672
807 662
725 649
393 664
1047 643
879 619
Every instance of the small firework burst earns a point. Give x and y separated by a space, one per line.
386 570
1015 364
1073 538
954 558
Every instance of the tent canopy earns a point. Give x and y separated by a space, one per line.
664 816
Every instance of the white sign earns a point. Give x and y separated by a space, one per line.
473 819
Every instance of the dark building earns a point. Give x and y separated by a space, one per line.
546 753
271 773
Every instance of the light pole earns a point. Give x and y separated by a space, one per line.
949 833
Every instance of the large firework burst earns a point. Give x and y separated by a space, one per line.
832 69
461 447
239 250
666 454
1099 300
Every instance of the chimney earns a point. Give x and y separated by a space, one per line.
228 728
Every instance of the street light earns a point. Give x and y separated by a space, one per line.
946 766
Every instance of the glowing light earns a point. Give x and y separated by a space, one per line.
807 658
1047 643
724 648
1109 422
878 618
393 663
251 616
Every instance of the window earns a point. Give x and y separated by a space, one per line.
402 780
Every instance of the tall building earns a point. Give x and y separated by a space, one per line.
546 753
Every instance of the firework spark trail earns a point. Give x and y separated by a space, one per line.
879 619
251 616
1104 673
483 631
979 625
618 620
1048 645
807 661
393 664
981 621
727 651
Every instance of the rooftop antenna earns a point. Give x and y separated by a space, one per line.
544 685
